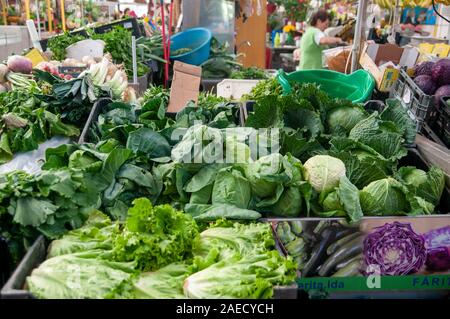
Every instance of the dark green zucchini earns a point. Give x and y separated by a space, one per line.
340 242
349 250
352 269
348 261
319 251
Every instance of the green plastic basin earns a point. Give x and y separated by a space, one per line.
356 87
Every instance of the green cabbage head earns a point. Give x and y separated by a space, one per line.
384 197
345 117
263 174
323 172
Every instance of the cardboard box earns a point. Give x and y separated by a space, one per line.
374 55
441 50
331 253
36 57
185 86
426 48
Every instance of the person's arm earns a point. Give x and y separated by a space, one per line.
330 40
321 39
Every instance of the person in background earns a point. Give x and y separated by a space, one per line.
127 13
314 41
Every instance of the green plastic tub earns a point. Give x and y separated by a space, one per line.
356 87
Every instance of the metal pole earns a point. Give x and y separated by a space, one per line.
358 33
4 12
166 57
27 9
133 53
49 16
38 19
82 12
63 15
395 17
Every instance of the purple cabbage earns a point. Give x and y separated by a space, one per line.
438 259
395 248
437 242
437 237
440 72
441 92
424 68
426 84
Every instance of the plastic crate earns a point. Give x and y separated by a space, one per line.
209 85
15 287
235 89
45 41
413 158
429 133
437 128
419 105
5 261
130 24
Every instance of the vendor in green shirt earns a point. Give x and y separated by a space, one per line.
314 41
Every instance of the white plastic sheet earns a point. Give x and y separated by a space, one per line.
31 162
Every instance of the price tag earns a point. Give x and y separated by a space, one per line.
407 96
35 57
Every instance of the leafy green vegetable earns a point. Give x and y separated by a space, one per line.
427 185
209 213
148 142
289 203
155 236
118 44
396 113
53 202
382 137
361 170
249 73
248 277
324 172
26 122
262 89
83 263
76 276
245 264
344 117
59 44
72 99
220 63
180 51
384 197
165 283
231 187
265 174
266 113
96 234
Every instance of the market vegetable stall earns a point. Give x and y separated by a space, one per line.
155 205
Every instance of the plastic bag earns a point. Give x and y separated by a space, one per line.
31 162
